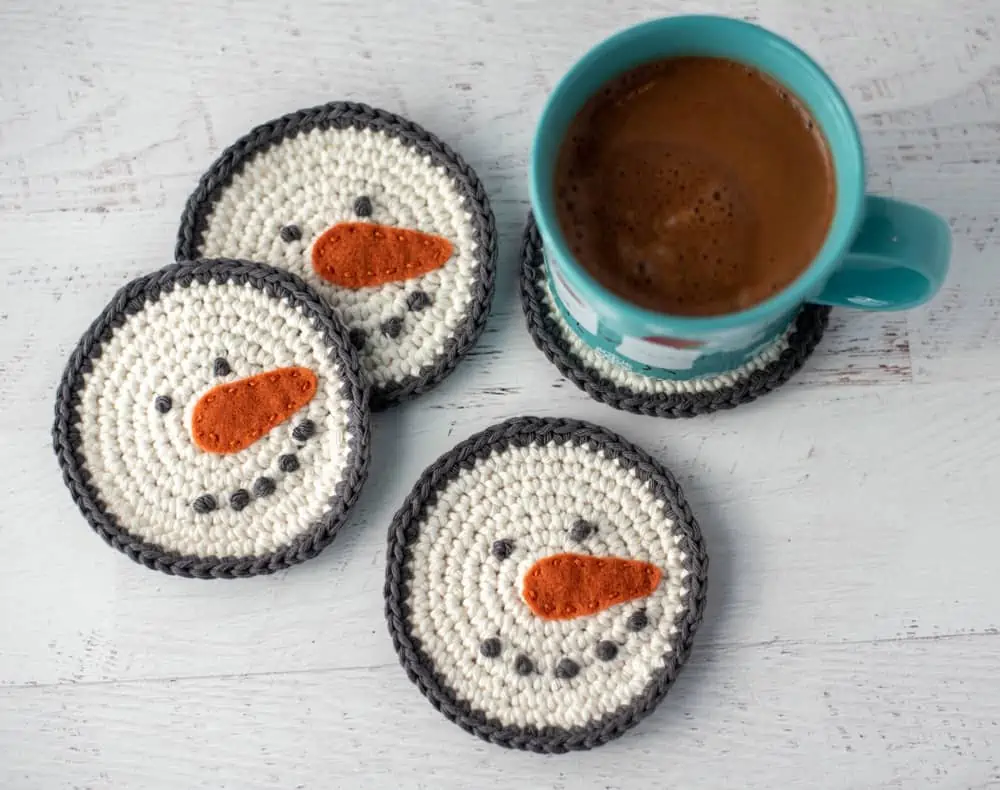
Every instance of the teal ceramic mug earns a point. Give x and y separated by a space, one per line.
879 254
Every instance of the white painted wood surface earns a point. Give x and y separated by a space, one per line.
851 638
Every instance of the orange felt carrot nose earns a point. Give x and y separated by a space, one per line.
359 254
564 586
231 417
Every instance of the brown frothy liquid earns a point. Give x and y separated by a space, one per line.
694 186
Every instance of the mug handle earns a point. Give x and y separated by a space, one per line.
898 259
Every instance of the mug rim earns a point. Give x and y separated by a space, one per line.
843 227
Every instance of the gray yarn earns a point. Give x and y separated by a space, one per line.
290 233
391 327
341 115
239 499
363 206
809 326
263 487
306 429
405 528
581 530
132 299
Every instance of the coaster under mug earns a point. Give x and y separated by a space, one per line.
607 381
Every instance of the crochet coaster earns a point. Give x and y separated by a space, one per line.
544 582
608 382
213 421
385 221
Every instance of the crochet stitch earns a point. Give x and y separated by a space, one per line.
462 549
183 478
386 222
606 381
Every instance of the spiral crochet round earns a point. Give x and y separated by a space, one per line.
458 552
123 411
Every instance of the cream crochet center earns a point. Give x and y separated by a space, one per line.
461 594
145 466
312 180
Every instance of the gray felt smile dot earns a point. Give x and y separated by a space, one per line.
468 556
523 665
490 648
566 669
637 620
263 486
167 478
358 337
239 499
419 300
304 431
606 651
204 504
391 327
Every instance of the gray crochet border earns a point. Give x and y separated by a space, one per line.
132 299
809 327
405 528
341 115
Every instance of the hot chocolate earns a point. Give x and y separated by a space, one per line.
694 186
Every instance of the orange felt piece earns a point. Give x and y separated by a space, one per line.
230 417
564 586
359 254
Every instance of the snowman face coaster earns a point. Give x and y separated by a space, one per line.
544 583
213 421
607 381
389 225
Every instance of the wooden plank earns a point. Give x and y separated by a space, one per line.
911 713
851 629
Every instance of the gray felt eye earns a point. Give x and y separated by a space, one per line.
291 233
502 548
363 206
581 530
491 647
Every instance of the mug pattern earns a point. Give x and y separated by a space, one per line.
665 357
